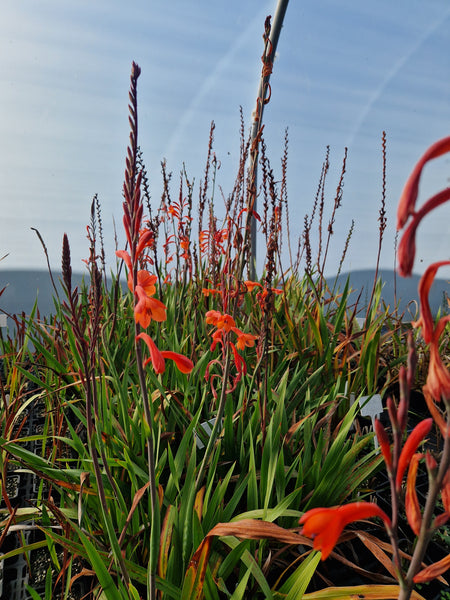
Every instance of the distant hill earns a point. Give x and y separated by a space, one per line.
24 286
397 290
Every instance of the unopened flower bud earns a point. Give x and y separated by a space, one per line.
392 411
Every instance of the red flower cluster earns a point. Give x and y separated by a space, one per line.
438 381
146 309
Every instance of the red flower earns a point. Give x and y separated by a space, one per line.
184 364
412 507
212 316
407 245
146 240
244 339
435 412
123 254
156 358
225 322
412 441
217 337
210 291
408 198
250 285
241 366
325 525
438 379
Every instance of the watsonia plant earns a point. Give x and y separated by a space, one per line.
136 488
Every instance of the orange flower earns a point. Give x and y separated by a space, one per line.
148 308
244 339
412 441
210 291
250 285
146 240
435 412
212 316
123 254
438 379
221 321
226 322
184 364
408 198
217 337
145 280
407 246
425 322
412 507
156 358
241 365
325 525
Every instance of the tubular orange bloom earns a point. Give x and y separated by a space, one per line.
325 525
123 254
184 364
425 321
408 198
156 357
244 339
225 322
412 507
210 291
147 309
435 412
438 379
250 285
221 321
146 240
145 280
241 365
212 317
217 339
410 447
407 246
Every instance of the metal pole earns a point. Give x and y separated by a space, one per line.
258 115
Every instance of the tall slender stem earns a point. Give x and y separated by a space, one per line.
268 56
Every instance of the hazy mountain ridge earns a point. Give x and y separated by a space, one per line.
23 287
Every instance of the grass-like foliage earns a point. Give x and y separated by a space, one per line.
177 419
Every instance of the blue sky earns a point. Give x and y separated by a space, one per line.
345 71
